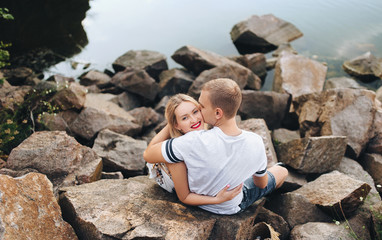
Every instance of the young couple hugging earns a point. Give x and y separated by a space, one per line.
222 170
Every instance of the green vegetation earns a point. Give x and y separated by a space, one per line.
4 54
19 124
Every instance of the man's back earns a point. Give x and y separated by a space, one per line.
215 159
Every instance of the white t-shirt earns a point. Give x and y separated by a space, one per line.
214 160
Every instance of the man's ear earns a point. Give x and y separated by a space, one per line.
218 113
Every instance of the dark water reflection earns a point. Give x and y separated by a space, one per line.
334 31
44 32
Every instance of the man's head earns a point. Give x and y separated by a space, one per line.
219 99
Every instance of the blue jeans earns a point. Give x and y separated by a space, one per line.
252 193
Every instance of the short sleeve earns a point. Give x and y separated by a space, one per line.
169 153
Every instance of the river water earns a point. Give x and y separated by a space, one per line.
334 31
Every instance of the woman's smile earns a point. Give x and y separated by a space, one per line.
196 125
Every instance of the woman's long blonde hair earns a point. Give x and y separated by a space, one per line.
172 104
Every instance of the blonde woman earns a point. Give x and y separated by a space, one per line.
183 115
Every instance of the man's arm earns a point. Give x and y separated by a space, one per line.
153 152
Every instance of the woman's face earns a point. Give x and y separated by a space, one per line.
188 117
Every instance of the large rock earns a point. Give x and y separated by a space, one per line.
312 154
146 117
91 120
59 156
137 208
12 96
18 76
262 34
100 114
240 75
120 152
342 82
283 135
336 193
29 210
53 122
256 62
320 231
259 127
129 101
375 143
298 75
372 163
136 81
339 112
197 61
73 96
355 170
95 77
296 209
270 106
366 67
378 94
174 81
376 220
150 61
275 220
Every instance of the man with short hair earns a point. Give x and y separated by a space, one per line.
224 155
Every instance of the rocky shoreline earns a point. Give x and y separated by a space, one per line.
82 175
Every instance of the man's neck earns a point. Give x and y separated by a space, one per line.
228 126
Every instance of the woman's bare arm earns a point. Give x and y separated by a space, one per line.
153 152
179 176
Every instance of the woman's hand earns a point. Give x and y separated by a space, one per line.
226 195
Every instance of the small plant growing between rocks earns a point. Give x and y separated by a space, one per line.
19 124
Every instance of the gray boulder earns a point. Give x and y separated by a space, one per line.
100 113
12 96
298 75
138 208
29 209
375 143
146 117
240 75
320 231
312 154
120 152
95 77
174 81
283 135
151 61
366 67
340 112
91 120
59 156
372 163
355 170
284 47
296 209
342 82
71 97
18 76
197 61
270 106
128 101
262 34
136 81
336 193
256 62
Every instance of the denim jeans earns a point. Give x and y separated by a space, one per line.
252 193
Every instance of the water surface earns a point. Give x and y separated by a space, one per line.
334 31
